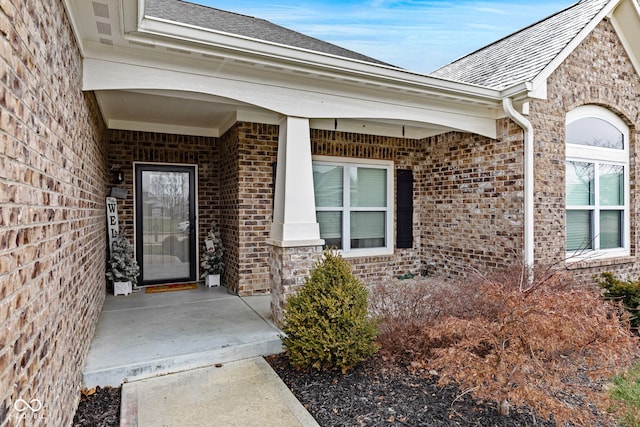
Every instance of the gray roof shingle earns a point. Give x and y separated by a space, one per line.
521 56
246 26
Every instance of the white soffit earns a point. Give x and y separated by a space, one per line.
166 111
122 63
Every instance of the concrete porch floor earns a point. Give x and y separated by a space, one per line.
145 335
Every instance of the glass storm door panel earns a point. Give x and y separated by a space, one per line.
165 223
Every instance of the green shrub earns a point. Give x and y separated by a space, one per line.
627 292
326 324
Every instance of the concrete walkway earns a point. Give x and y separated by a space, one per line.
144 335
247 393
192 358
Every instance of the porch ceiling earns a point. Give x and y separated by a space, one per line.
152 75
168 111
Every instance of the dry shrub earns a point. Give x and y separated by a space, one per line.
407 308
540 342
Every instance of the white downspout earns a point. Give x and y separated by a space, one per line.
525 124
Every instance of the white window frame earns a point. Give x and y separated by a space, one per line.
598 156
346 162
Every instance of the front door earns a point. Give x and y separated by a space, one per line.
165 223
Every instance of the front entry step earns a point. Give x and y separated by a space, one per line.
144 335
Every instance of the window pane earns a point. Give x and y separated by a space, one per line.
327 184
580 184
611 185
368 229
579 234
368 187
330 228
610 229
595 132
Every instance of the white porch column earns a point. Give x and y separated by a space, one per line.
294 217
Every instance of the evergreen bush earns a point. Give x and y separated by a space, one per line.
627 292
326 324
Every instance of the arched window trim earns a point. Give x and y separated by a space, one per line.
595 111
600 155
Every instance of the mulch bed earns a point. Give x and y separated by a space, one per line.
376 393
99 409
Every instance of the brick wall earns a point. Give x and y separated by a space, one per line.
463 183
127 147
597 72
471 202
247 154
234 190
468 192
229 199
52 213
289 269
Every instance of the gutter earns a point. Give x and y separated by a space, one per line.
520 120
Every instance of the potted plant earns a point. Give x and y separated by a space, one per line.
123 269
211 259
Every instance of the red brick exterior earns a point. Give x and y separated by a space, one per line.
229 171
248 151
597 72
471 205
468 191
55 156
53 183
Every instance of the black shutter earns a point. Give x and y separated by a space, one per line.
404 209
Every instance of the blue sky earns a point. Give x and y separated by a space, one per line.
420 35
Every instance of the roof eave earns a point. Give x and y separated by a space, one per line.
522 91
187 36
539 82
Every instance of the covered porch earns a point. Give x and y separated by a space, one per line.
145 335
249 116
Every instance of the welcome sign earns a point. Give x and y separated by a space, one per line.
113 227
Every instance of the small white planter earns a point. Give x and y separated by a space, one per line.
122 288
212 280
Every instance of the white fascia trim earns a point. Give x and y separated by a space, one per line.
627 15
390 79
269 118
328 102
541 78
150 28
527 90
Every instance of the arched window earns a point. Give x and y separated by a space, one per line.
597 183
